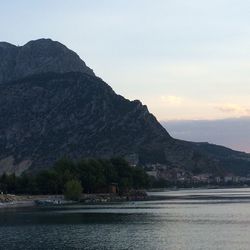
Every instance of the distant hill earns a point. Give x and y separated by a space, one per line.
52 105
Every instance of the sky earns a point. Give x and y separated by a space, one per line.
186 60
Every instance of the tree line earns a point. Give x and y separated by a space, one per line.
94 175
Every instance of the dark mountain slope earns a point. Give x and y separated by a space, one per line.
46 116
230 160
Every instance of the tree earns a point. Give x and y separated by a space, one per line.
48 182
91 174
73 190
124 172
140 178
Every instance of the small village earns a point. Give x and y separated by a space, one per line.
177 175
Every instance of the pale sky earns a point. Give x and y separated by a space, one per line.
184 59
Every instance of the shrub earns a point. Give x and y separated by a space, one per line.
73 190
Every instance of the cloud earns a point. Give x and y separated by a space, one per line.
172 100
229 108
235 109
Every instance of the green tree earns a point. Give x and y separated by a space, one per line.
48 182
73 190
91 174
3 183
124 173
140 178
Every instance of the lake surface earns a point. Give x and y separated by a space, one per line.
190 219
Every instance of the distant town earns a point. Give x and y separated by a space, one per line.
177 175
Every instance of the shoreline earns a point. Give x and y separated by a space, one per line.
17 204
16 201
21 201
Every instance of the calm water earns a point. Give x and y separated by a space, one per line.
220 222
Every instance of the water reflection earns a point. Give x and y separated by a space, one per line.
181 223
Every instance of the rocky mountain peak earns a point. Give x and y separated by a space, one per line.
38 56
5 45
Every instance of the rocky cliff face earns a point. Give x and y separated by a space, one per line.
40 56
48 116
65 110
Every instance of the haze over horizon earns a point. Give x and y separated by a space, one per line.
184 60
232 132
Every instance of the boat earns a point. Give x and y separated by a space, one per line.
54 202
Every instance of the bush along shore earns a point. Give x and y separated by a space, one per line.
89 181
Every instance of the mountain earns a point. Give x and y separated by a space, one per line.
53 105
35 57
